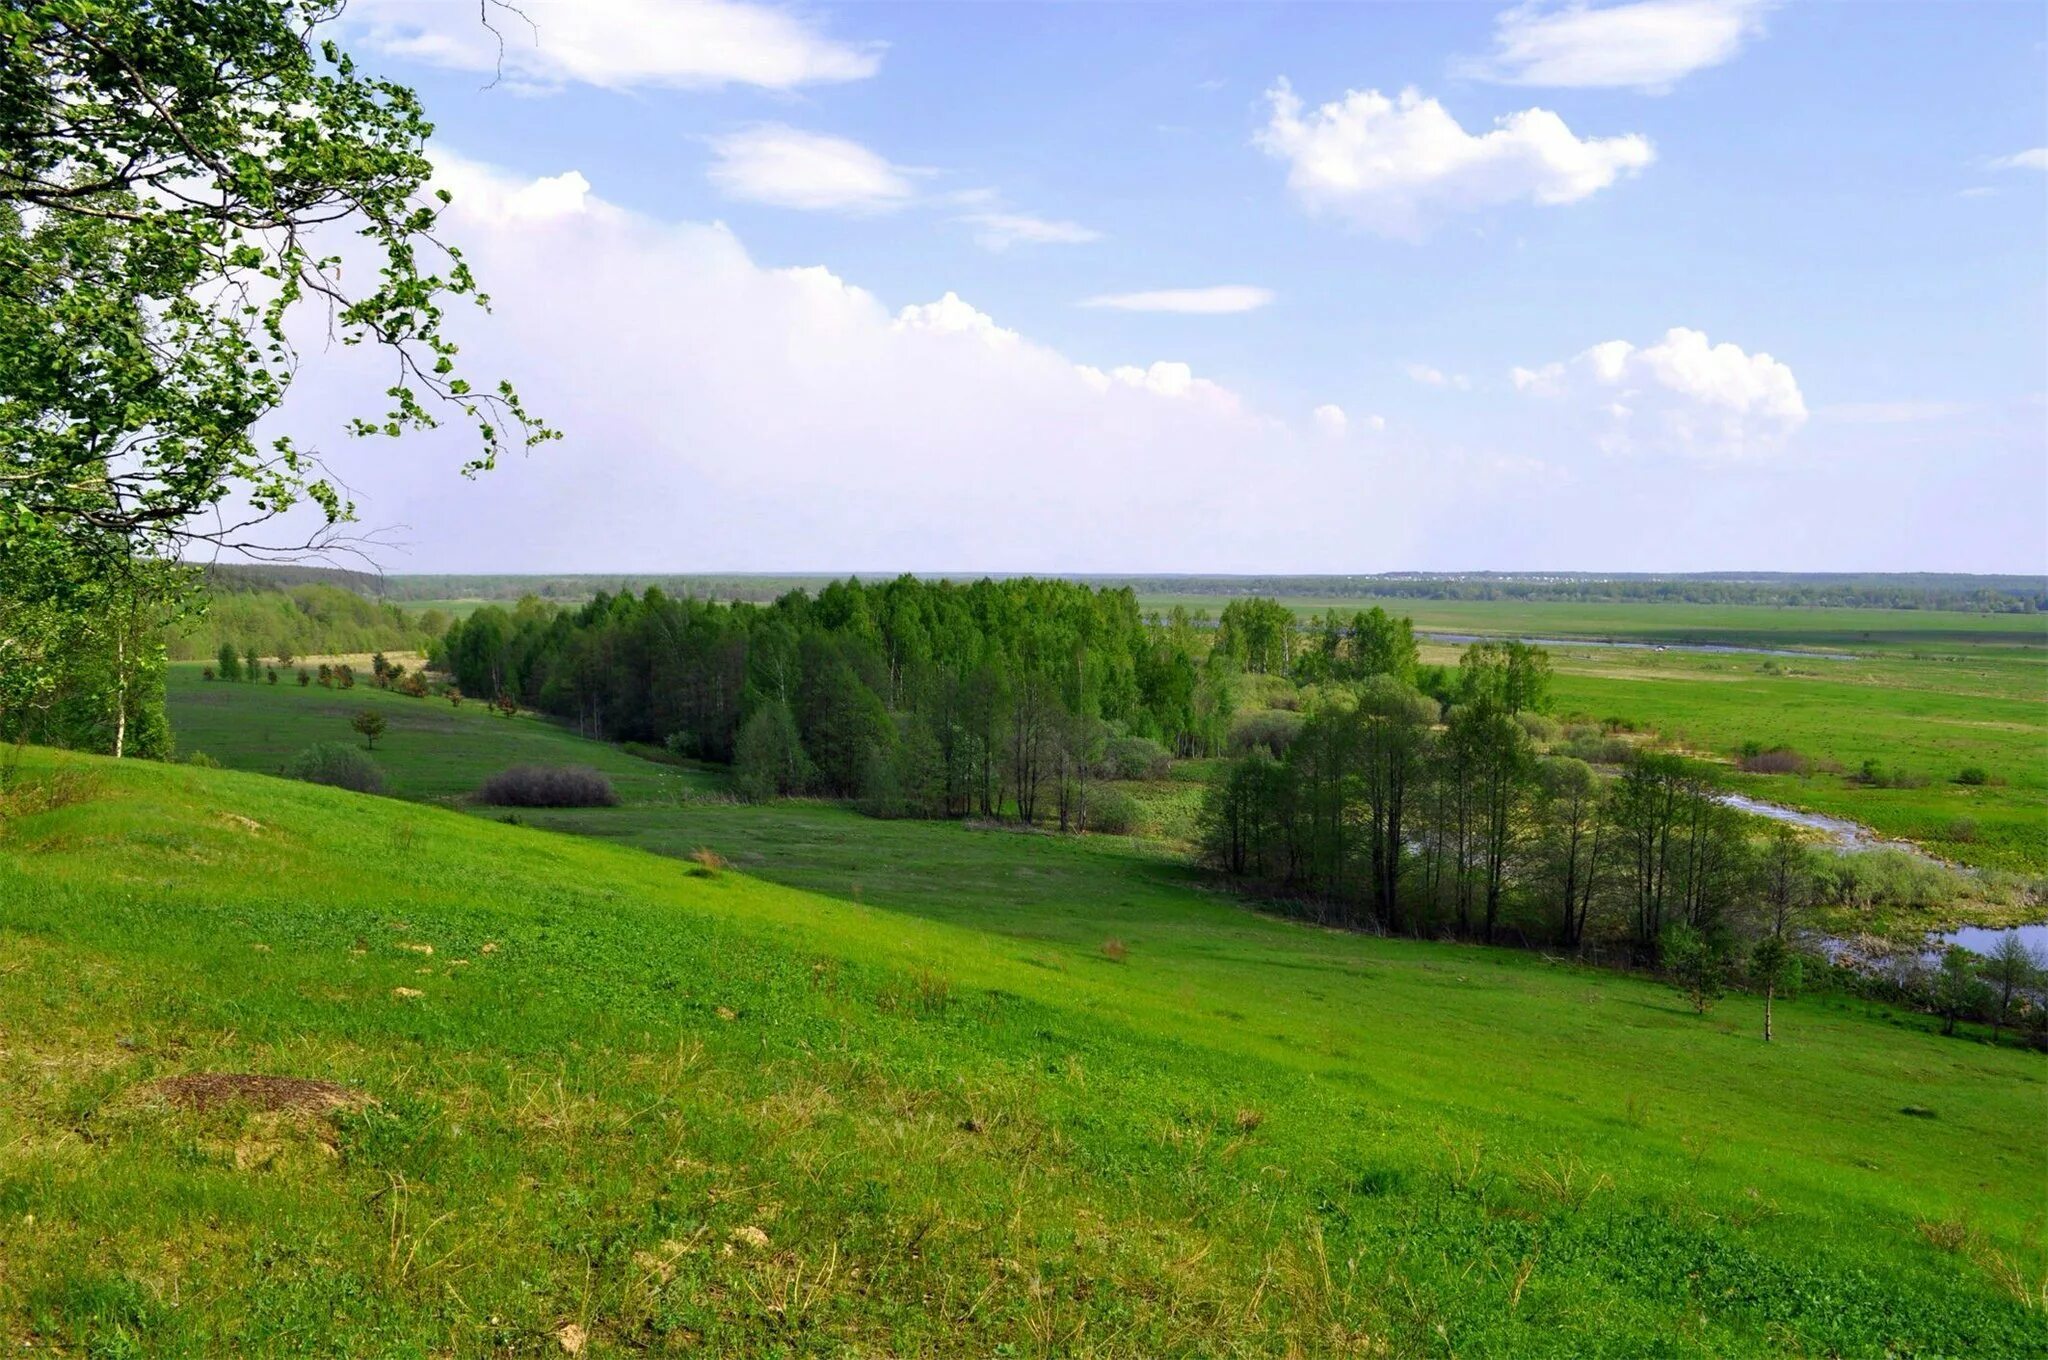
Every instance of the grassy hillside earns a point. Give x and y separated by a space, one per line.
431 750
676 1108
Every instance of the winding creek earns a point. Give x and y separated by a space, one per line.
1851 837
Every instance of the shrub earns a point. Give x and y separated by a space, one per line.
1777 760
206 672
370 723
271 675
1597 750
1886 878
1112 812
337 764
1542 729
1889 777
201 760
1272 730
1135 758
1972 774
1963 830
305 677
1268 691
1115 950
548 786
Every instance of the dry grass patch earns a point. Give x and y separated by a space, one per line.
206 1091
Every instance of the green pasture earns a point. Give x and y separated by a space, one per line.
977 1092
431 750
1926 719
1790 627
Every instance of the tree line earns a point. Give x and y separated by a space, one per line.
927 698
1419 802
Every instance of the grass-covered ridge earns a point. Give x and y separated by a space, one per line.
673 1106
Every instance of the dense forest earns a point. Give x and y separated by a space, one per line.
913 696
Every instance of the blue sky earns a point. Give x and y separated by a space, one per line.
1683 284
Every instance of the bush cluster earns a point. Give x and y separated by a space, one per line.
1777 760
548 786
339 765
1112 812
1271 730
1135 758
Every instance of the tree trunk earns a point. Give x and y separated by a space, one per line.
1770 992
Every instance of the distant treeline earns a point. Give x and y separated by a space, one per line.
1982 594
1917 590
302 620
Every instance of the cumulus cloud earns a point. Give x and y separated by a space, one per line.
1649 46
998 231
721 412
789 168
1681 394
2034 158
1394 165
1218 301
615 44
1331 420
1430 376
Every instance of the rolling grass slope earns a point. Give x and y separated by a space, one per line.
632 1103
431 751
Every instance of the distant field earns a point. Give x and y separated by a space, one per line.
924 1110
454 609
1927 718
1733 625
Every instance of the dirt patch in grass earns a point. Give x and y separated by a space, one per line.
213 1090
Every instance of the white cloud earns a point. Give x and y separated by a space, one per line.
1648 46
1217 301
1331 420
2034 158
1393 165
790 168
998 231
1435 377
951 316
1680 394
614 44
725 413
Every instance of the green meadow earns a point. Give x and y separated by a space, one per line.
965 1092
1928 720
1735 625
